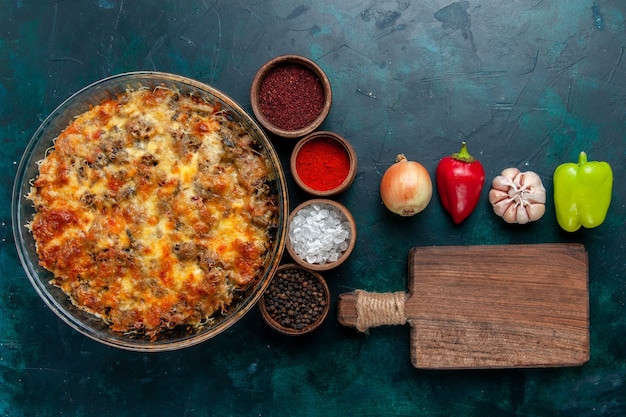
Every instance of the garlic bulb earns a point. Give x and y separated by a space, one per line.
518 197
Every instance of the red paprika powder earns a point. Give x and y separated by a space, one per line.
322 164
291 97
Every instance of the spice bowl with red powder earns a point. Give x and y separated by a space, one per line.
323 164
290 96
321 234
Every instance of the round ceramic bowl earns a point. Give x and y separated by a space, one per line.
23 211
296 302
290 96
323 164
321 234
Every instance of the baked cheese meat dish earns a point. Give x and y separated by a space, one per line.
153 210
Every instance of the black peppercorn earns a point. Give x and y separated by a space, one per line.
295 299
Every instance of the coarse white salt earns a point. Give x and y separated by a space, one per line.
319 233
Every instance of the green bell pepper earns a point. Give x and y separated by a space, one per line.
582 193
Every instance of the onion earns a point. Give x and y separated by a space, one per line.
406 188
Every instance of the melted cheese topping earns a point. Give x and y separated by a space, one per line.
152 210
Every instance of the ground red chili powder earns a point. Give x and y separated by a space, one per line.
291 97
322 164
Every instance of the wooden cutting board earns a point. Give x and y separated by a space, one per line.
501 306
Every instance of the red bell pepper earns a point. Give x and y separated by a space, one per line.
460 179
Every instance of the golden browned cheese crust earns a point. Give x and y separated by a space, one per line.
152 210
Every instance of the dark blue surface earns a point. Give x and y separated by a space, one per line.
528 84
